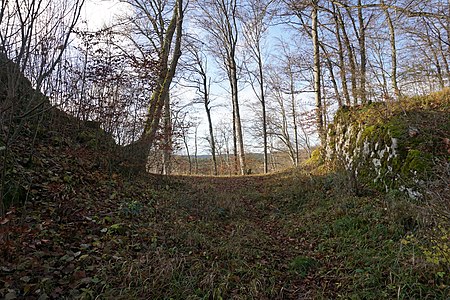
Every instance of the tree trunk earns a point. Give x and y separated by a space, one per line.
196 149
363 59
329 64
316 71
186 145
447 42
351 59
392 41
342 68
235 150
264 113
435 60
167 72
219 19
284 135
167 148
294 117
210 125
237 116
443 56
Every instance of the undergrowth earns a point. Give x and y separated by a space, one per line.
258 237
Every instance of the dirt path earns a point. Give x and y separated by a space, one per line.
257 230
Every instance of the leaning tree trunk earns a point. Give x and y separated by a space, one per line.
210 124
168 63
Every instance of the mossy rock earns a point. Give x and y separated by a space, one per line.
417 162
420 128
397 128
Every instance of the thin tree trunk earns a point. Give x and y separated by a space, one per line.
186 145
316 71
342 72
363 59
392 41
210 125
220 20
294 117
167 149
83 87
196 149
329 64
324 103
443 56
264 114
351 59
436 61
447 28
284 135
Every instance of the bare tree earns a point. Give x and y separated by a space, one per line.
256 21
34 35
223 134
202 83
393 43
220 20
298 9
153 29
363 53
341 54
316 71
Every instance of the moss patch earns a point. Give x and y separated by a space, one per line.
416 162
395 145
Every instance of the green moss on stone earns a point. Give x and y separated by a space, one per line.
416 161
419 127
397 128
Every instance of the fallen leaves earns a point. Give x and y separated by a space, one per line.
85 233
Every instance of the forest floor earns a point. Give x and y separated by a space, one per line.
87 234
78 225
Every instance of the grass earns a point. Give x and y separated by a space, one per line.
284 236
272 237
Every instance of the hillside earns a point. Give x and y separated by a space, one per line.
80 225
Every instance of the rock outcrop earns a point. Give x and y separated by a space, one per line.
392 148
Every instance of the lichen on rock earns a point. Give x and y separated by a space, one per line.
390 149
